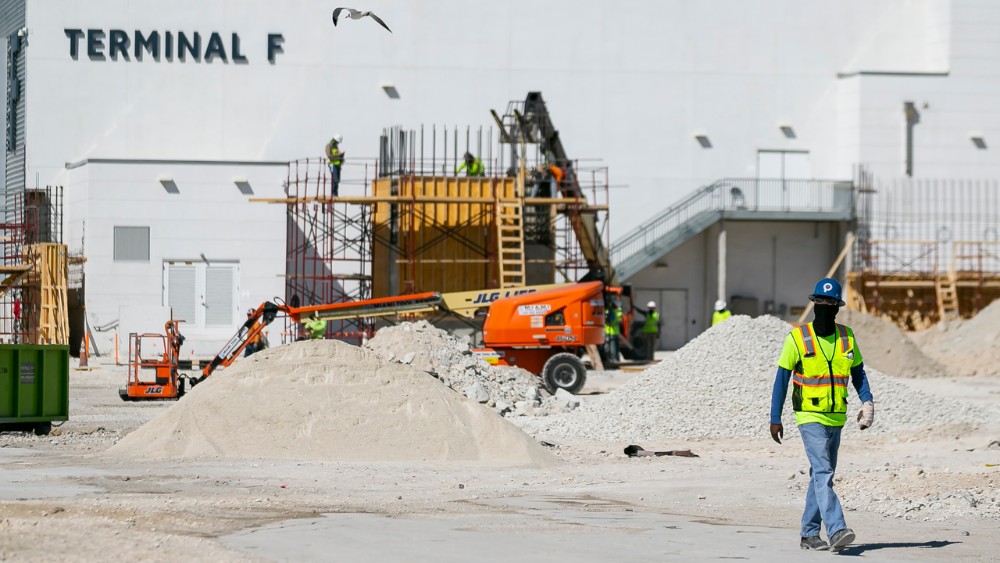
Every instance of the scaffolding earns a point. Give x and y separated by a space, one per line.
410 221
33 275
927 250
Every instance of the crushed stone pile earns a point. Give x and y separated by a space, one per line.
966 347
719 386
506 390
327 400
887 348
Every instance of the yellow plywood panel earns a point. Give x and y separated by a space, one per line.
443 236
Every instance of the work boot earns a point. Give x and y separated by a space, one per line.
814 543
841 539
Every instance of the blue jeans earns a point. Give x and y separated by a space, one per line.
822 505
335 178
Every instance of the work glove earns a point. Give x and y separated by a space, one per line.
866 416
777 432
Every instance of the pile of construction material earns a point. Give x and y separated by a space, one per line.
327 400
887 348
966 347
507 390
719 385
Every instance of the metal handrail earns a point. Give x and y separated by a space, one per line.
738 194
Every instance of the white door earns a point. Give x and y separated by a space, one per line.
202 295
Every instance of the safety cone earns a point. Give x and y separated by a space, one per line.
83 351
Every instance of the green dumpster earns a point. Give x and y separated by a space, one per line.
34 386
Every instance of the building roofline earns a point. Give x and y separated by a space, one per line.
86 161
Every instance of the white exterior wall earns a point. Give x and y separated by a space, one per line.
630 84
205 214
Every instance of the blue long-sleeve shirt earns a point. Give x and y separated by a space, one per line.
858 378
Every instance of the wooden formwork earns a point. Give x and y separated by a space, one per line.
917 301
437 234
45 312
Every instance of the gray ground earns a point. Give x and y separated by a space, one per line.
61 500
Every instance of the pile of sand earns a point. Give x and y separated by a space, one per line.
965 347
887 348
326 400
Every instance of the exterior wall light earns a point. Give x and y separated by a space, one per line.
787 131
979 142
703 140
390 90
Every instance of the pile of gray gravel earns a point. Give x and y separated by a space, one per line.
506 390
719 386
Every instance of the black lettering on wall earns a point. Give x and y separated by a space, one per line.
150 44
168 45
215 49
191 47
118 42
95 44
274 42
238 57
74 41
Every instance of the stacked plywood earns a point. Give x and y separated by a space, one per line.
45 312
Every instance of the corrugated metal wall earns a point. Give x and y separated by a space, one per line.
12 18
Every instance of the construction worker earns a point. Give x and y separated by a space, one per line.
612 332
335 159
721 313
819 358
473 166
650 328
315 326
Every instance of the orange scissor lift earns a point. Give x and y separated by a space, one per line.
154 376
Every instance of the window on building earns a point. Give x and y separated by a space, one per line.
131 244
202 295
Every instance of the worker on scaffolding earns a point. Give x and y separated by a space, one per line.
473 166
335 159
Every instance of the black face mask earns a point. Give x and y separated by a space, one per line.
824 324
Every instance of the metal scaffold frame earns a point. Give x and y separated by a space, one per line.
33 275
927 250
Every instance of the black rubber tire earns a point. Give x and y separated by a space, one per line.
43 428
564 371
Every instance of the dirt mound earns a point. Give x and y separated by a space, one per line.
887 348
965 347
719 386
326 400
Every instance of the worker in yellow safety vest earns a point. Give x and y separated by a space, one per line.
335 159
820 358
612 332
315 326
650 328
472 166
721 313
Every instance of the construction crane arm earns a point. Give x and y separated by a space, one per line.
254 325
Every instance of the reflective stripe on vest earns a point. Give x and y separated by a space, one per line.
837 380
845 345
807 340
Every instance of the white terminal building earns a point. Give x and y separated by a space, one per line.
160 121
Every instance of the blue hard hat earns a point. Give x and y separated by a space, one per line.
828 287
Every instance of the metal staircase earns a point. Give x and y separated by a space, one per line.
740 199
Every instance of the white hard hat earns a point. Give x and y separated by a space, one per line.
651 305
339 138
720 305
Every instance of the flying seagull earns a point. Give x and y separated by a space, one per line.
357 15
